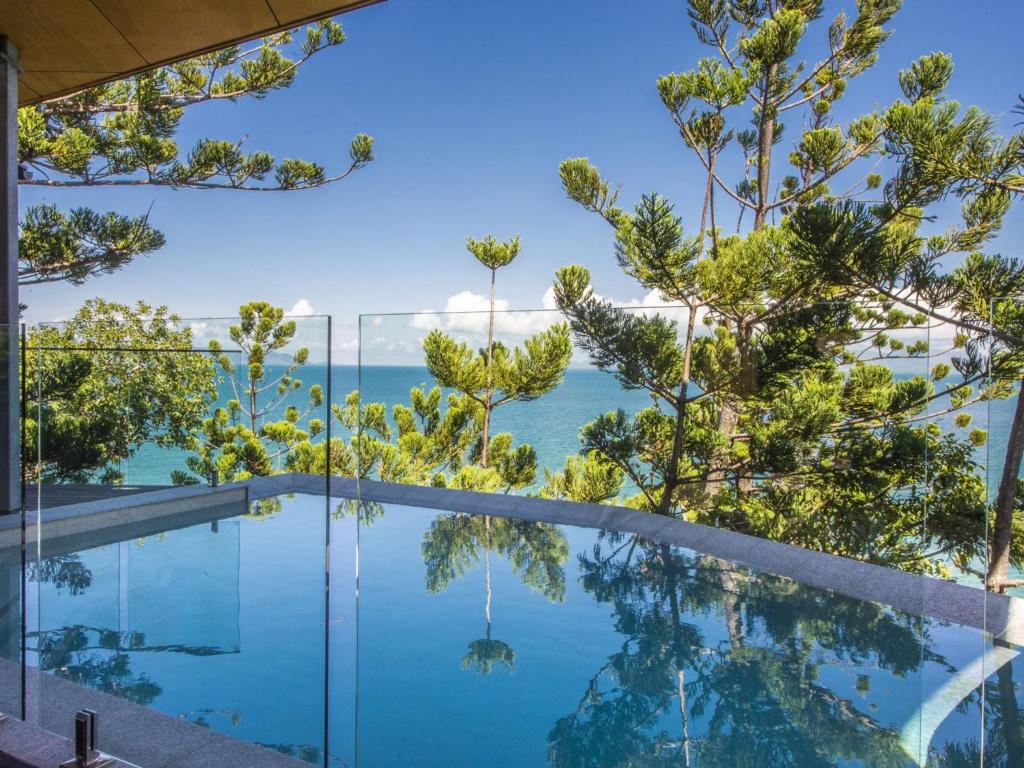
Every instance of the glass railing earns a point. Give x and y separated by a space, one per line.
859 430
180 618
163 401
811 401
1002 567
12 530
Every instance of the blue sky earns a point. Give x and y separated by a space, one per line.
473 104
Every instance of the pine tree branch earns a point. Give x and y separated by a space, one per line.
164 182
168 101
847 161
690 141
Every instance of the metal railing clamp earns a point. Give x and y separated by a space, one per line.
86 754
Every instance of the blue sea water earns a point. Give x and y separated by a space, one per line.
550 424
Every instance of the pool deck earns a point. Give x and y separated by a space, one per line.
167 742
144 737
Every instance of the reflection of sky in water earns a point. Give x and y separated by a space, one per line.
505 644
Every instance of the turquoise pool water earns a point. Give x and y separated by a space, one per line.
467 641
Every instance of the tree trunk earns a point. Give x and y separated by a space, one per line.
487 569
708 191
252 405
1010 716
748 387
729 415
490 391
1002 532
766 135
728 418
671 480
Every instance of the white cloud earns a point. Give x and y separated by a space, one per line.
348 345
302 308
199 330
468 312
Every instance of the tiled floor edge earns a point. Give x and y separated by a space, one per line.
23 745
137 734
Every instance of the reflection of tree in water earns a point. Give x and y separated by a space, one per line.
205 717
307 753
99 658
536 551
369 511
756 686
63 571
1004 728
96 658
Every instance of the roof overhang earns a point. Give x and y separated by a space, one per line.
67 45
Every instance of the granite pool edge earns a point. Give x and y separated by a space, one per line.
1001 616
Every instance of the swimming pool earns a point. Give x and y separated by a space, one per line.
455 639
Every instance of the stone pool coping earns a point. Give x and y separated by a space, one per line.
1000 615
65 528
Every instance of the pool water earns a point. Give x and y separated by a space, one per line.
467 641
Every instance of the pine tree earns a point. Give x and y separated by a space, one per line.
123 134
780 418
495 376
942 151
446 441
261 427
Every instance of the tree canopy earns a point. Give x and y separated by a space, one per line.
105 382
774 409
123 134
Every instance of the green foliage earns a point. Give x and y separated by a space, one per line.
520 374
260 431
493 254
124 134
54 246
588 478
780 417
525 373
107 381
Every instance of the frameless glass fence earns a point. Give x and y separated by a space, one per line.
858 430
864 435
764 402
995 338
144 402
203 619
11 530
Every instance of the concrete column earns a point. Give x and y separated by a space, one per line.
10 408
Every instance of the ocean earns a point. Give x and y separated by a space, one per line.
551 424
